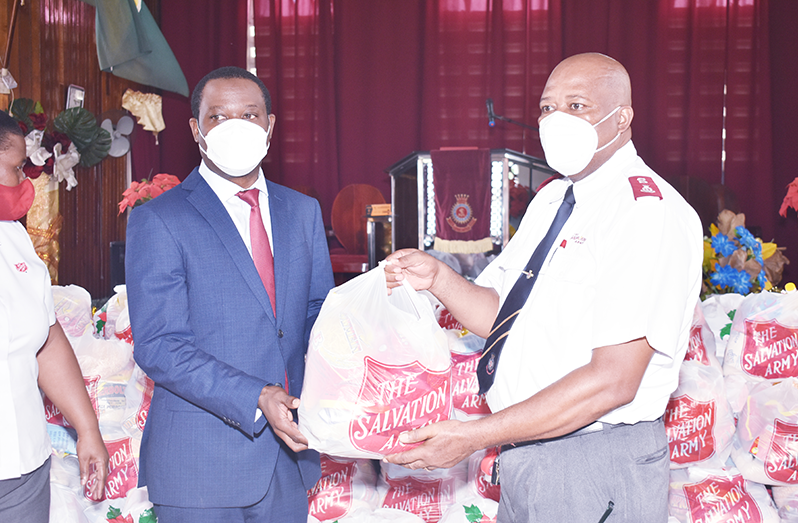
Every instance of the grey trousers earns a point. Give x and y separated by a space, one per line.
574 479
26 499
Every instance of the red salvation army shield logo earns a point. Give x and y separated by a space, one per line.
424 498
394 399
781 463
696 351
770 350
465 387
689 425
720 499
331 498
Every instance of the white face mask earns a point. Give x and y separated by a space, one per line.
236 146
570 142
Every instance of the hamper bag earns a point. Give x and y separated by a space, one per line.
377 366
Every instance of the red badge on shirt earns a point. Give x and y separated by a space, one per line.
21 267
644 186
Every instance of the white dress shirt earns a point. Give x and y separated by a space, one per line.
625 265
26 314
237 208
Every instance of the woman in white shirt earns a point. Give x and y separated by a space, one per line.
34 353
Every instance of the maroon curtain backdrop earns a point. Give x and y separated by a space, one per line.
359 84
407 76
783 20
296 62
203 36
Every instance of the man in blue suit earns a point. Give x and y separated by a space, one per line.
223 291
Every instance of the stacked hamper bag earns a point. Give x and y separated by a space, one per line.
120 393
734 434
732 423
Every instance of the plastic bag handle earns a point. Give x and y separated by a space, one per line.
421 305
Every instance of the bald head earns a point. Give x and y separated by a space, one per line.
604 76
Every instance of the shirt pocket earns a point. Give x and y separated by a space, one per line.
572 264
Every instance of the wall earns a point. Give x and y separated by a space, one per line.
53 46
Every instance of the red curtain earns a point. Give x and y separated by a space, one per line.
203 36
407 76
358 84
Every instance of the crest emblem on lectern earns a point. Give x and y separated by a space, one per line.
461 218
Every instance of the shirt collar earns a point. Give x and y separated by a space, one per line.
606 174
225 189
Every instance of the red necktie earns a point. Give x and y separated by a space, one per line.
261 250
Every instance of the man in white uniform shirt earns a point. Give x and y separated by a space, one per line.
592 357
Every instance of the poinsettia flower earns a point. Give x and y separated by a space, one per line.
790 199
723 245
165 181
145 190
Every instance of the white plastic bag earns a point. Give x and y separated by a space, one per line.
698 419
377 366
719 309
73 309
701 347
427 494
763 344
467 402
718 495
346 487
764 446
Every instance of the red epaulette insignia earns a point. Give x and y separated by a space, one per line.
644 186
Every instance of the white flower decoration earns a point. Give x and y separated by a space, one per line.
63 164
33 148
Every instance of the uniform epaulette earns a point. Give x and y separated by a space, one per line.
644 186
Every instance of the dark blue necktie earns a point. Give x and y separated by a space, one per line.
518 294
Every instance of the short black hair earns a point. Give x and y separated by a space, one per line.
8 126
226 73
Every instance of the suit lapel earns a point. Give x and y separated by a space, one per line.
211 208
282 232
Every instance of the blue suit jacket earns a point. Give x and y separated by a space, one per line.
204 331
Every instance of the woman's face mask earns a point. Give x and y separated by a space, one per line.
569 142
16 201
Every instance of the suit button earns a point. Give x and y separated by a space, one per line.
280 333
